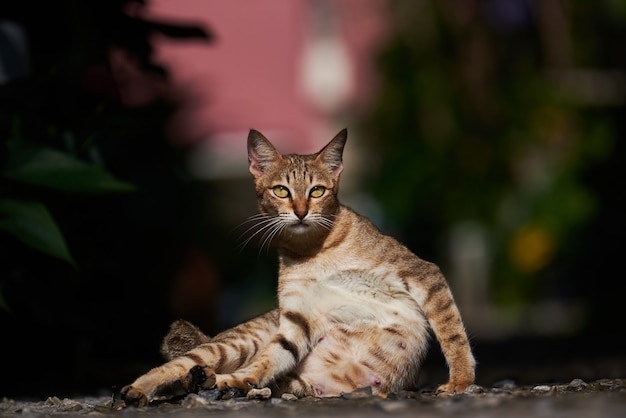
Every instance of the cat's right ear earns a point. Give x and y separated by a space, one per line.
331 154
261 153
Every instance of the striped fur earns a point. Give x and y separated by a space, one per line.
355 306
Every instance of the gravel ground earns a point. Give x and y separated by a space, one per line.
598 398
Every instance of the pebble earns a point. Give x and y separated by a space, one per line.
230 394
193 401
65 404
577 385
474 389
288 397
210 394
542 388
358 394
263 393
506 384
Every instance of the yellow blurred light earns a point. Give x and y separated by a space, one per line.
532 248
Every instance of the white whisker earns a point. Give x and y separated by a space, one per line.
257 225
270 234
269 227
253 218
264 224
319 220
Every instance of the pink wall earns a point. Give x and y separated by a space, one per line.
253 76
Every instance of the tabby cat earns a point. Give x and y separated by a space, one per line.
354 306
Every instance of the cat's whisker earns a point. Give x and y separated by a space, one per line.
260 221
321 221
326 226
253 218
269 224
260 229
270 234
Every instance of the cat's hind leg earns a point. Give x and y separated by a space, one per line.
445 320
195 369
292 342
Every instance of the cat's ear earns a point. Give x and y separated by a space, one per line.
261 153
331 154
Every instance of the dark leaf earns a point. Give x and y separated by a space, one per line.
47 167
31 223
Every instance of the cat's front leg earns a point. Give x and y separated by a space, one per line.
183 373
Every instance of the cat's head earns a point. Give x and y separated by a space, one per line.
299 191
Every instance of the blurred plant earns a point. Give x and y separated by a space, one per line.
59 108
23 214
491 111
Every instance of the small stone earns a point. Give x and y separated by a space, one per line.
474 389
263 393
365 392
289 397
400 395
577 384
506 384
53 401
210 394
541 388
70 405
193 401
231 393
500 391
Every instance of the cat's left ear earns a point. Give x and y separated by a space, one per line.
331 154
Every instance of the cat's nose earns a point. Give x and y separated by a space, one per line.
301 213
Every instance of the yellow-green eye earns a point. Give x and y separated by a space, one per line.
281 191
317 191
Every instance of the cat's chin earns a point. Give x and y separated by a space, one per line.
300 227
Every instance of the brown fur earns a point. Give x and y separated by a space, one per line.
355 306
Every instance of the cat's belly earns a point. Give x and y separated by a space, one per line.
347 358
356 296
369 332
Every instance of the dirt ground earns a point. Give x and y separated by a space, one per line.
577 398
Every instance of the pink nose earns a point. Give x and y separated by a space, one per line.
301 213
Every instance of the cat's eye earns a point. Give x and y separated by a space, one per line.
281 191
317 191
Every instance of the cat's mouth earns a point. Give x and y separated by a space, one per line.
300 226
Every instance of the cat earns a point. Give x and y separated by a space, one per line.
354 306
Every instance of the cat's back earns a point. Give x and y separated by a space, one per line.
355 236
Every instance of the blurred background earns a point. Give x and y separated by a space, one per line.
486 135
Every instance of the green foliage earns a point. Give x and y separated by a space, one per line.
42 166
34 165
31 172
32 224
493 117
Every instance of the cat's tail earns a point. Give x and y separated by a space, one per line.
182 337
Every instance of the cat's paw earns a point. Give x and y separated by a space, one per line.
454 386
133 396
237 381
198 378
